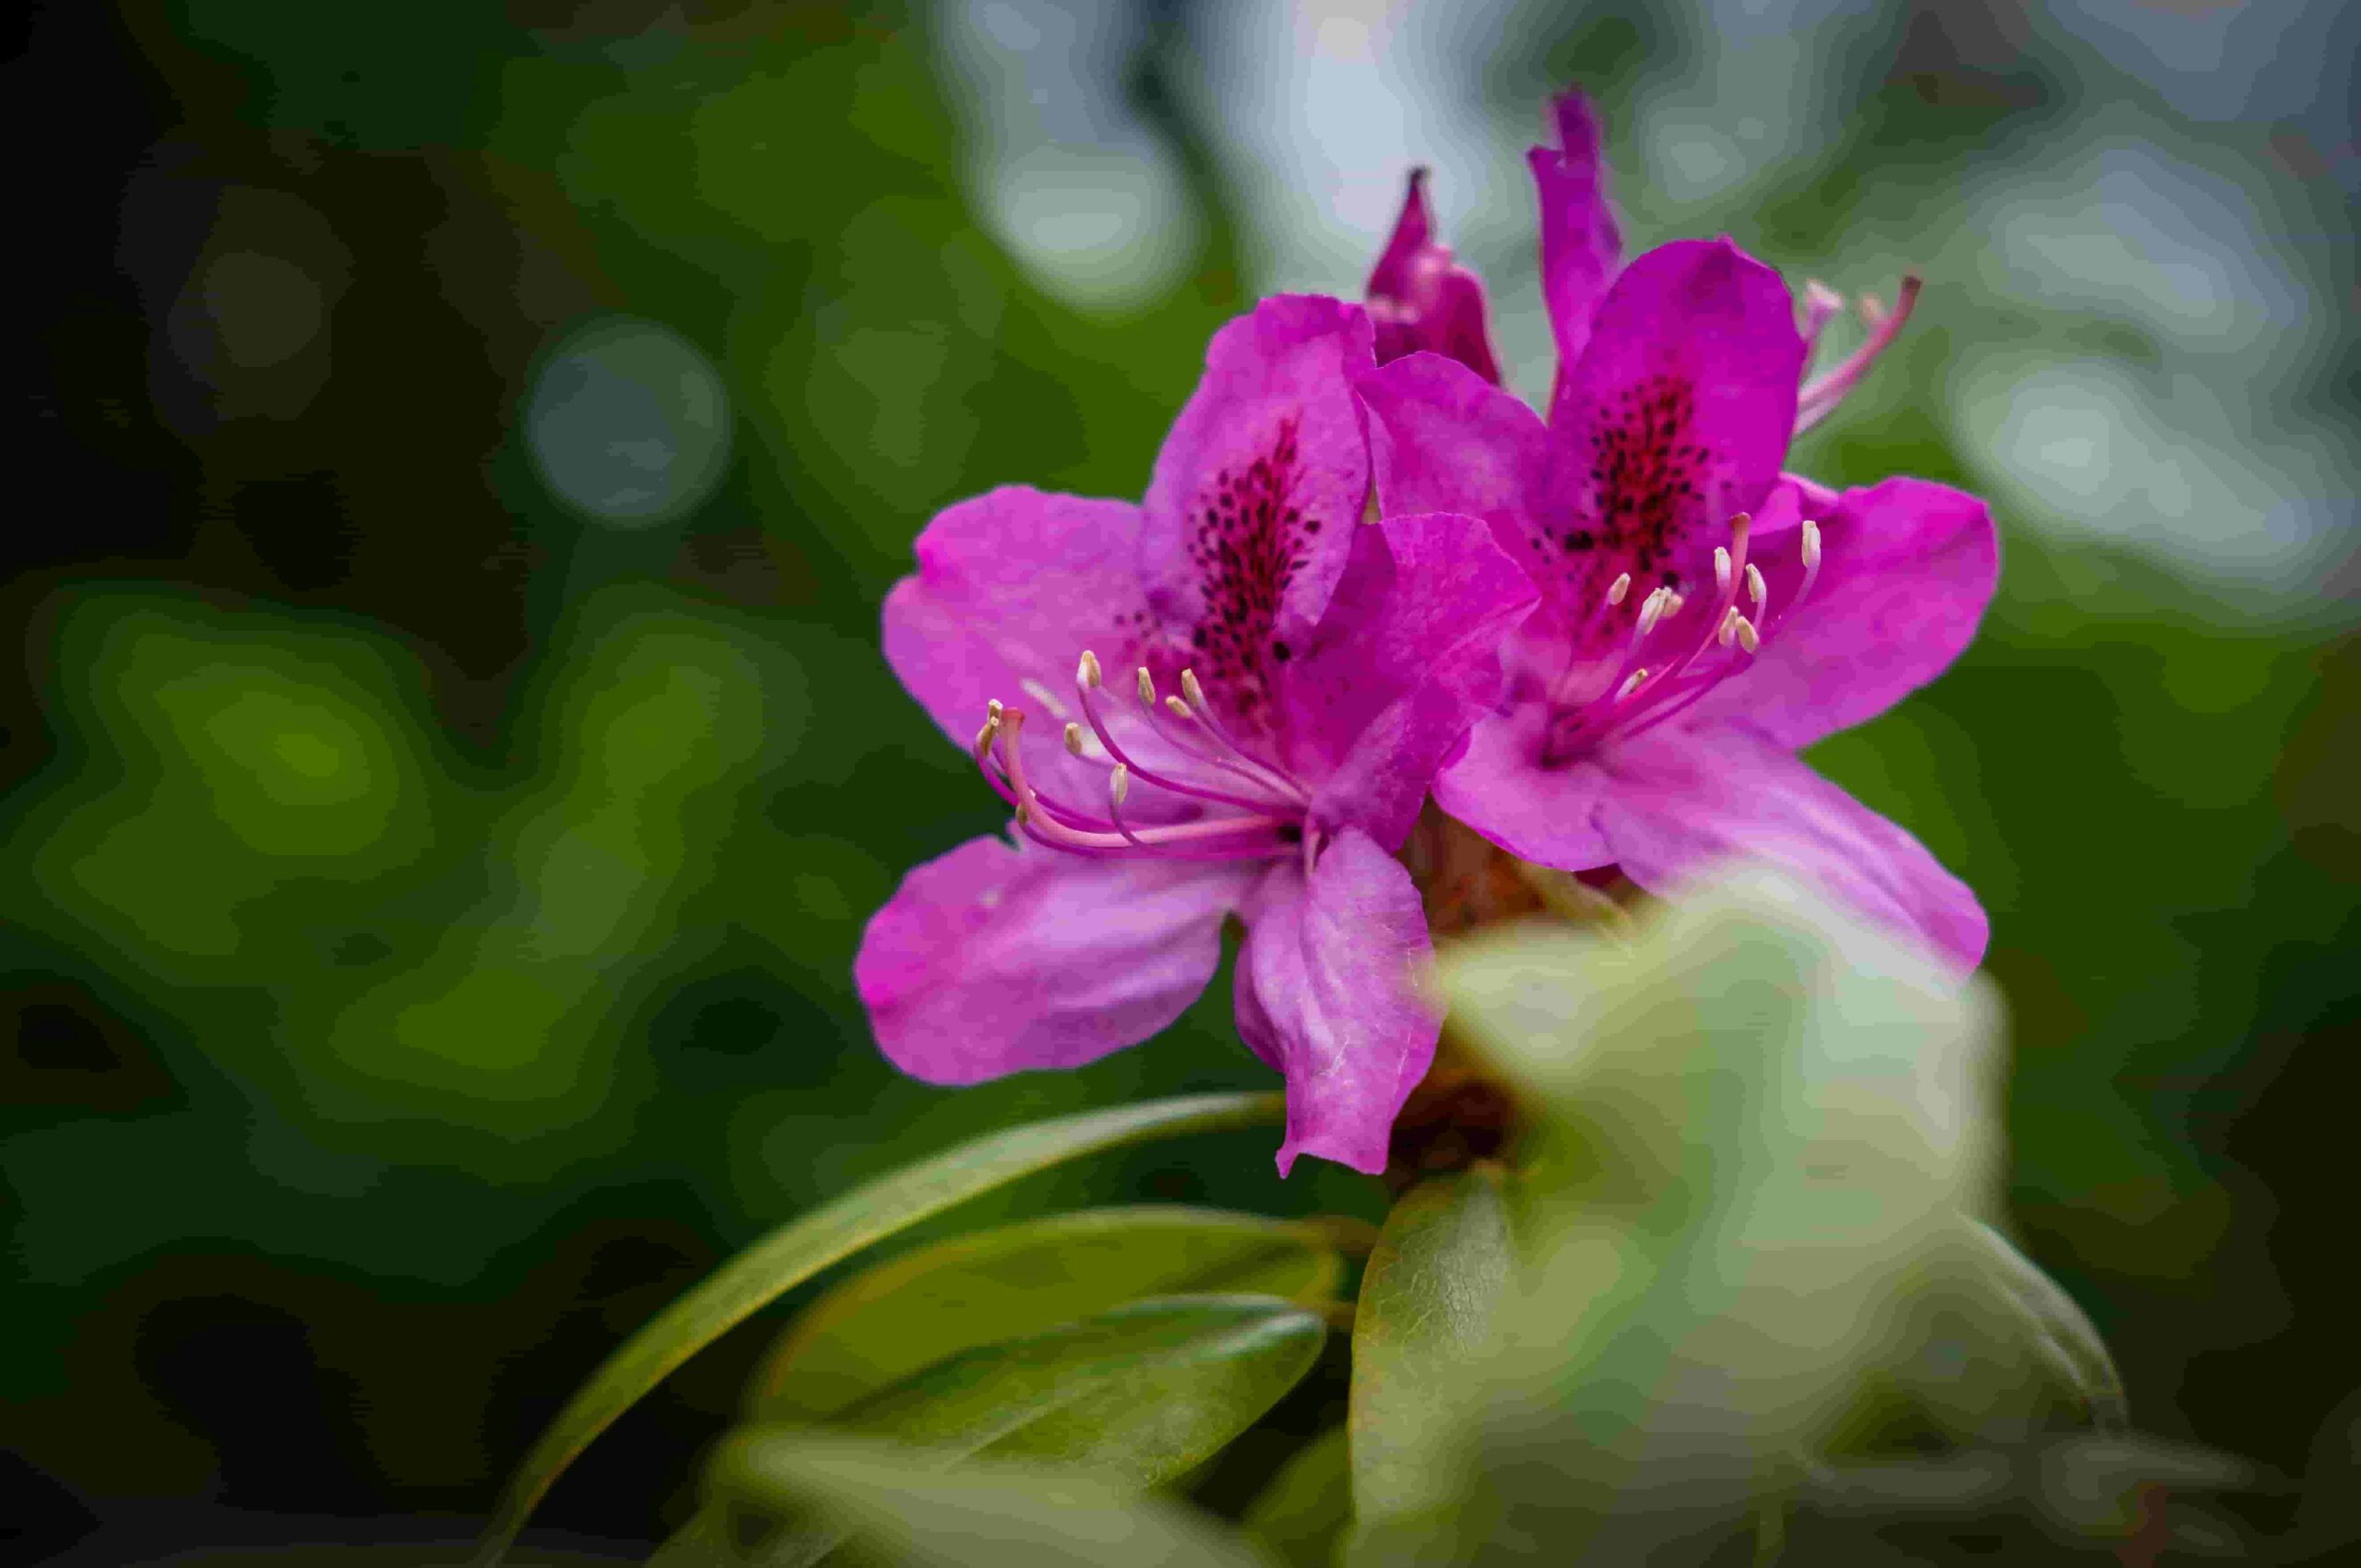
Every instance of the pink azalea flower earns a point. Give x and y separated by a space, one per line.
1702 616
1228 699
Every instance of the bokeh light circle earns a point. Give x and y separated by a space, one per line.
628 422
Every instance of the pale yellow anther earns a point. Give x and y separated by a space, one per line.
1673 600
1618 588
1189 689
1177 706
1811 542
1631 684
1754 588
1119 784
1748 638
991 705
1073 737
1089 675
1727 630
1024 813
1147 687
988 735
1650 611
1721 570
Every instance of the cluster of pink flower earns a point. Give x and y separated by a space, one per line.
1363 574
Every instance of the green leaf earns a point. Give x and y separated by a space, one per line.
2062 1328
1138 1395
890 1321
1309 1505
975 1517
1425 1318
1133 1396
795 1253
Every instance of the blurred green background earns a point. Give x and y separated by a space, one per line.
461 451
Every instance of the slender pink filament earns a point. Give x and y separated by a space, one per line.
1200 791
1820 398
1052 823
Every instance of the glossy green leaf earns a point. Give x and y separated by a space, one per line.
1424 1322
1138 1395
888 1322
1308 1507
795 1253
2061 1329
1133 1396
974 1516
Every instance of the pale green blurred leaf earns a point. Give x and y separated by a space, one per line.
2062 1330
1305 1511
915 1309
2079 1493
1758 1126
976 1516
1424 1321
795 1253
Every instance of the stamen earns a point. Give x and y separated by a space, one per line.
1820 302
1754 588
1073 737
1119 786
1811 561
1179 786
1618 588
1147 688
1672 603
1088 676
1728 628
1239 761
1650 611
988 735
1748 638
1721 570
1631 683
1820 396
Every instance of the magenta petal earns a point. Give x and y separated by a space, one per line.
1010 587
1579 245
1418 299
1906 569
990 960
1445 440
1264 475
1674 804
1406 657
1676 418
1542 814
1329 989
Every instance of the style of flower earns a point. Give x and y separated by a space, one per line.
1228 699
1702 616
